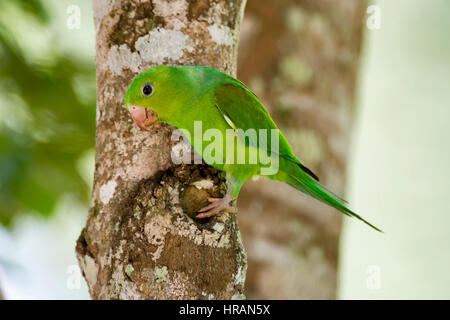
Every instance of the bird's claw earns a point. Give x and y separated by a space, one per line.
216 206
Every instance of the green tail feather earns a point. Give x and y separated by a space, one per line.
329 191
321 193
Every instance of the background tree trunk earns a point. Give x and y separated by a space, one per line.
139 241
301 58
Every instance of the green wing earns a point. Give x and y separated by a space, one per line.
242 109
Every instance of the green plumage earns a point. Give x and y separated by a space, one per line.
183 95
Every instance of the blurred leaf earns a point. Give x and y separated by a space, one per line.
33 7
39 157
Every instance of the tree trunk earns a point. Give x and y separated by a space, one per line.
140 241
301 58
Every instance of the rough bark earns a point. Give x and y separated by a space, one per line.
140 241
301 58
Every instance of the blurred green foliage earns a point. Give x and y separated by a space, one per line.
47 121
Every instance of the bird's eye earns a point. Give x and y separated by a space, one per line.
147 89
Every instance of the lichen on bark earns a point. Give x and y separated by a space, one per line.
140 240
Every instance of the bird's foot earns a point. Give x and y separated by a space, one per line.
217 206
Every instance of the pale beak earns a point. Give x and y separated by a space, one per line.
143 117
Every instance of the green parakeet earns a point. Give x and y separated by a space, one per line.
191 97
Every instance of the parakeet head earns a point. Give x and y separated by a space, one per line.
147 95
